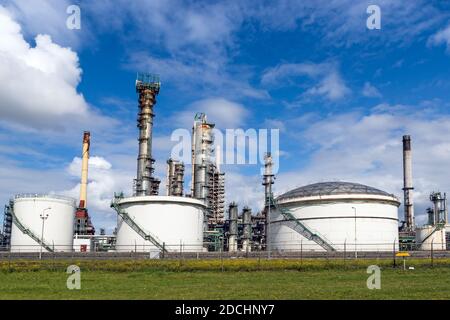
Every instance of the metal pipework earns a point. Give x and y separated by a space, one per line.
175 178
247 236
408 184
147 87
439 212
84 169
233 232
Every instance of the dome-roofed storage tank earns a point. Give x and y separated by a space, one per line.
149 223
42 222
342 215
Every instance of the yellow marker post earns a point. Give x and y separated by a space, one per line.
403 255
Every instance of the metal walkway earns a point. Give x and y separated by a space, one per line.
133 225
27 231
293 223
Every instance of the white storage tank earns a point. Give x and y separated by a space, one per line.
347 216
428 237
27 235
176 222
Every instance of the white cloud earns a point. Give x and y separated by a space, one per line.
370 91
332 87
45 17
175 25
328 81
199 75
103 181
441 37
224 113
38 83
342 23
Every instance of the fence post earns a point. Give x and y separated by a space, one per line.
345 250
393 253
9 260
221 255
432 247
301 251
181 253
164 250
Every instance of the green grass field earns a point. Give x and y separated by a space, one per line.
290 279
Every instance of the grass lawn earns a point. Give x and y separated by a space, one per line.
152 283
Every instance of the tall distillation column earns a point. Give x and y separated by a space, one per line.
233 232
439 211
407 184
268 181
175 178
247 234
202 140
147 87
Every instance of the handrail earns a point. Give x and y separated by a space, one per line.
299 227
136 227
28 232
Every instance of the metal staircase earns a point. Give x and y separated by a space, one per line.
27 231
5 235
436 228
293 223
133 225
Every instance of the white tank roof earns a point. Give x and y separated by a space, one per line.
34 196
335 191
159 199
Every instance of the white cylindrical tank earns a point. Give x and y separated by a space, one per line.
348 216
429 236
58 226
175 221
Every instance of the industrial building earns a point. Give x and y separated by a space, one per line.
325 216
433 235
147 221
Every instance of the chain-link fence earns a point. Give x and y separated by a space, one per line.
296 250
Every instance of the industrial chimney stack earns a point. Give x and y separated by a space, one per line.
407 184
147 87
83 224
84 169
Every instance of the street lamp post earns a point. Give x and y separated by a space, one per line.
356 252
44 217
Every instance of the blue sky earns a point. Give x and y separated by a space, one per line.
341 95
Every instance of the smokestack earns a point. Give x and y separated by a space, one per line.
147 87
407 183
84 169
